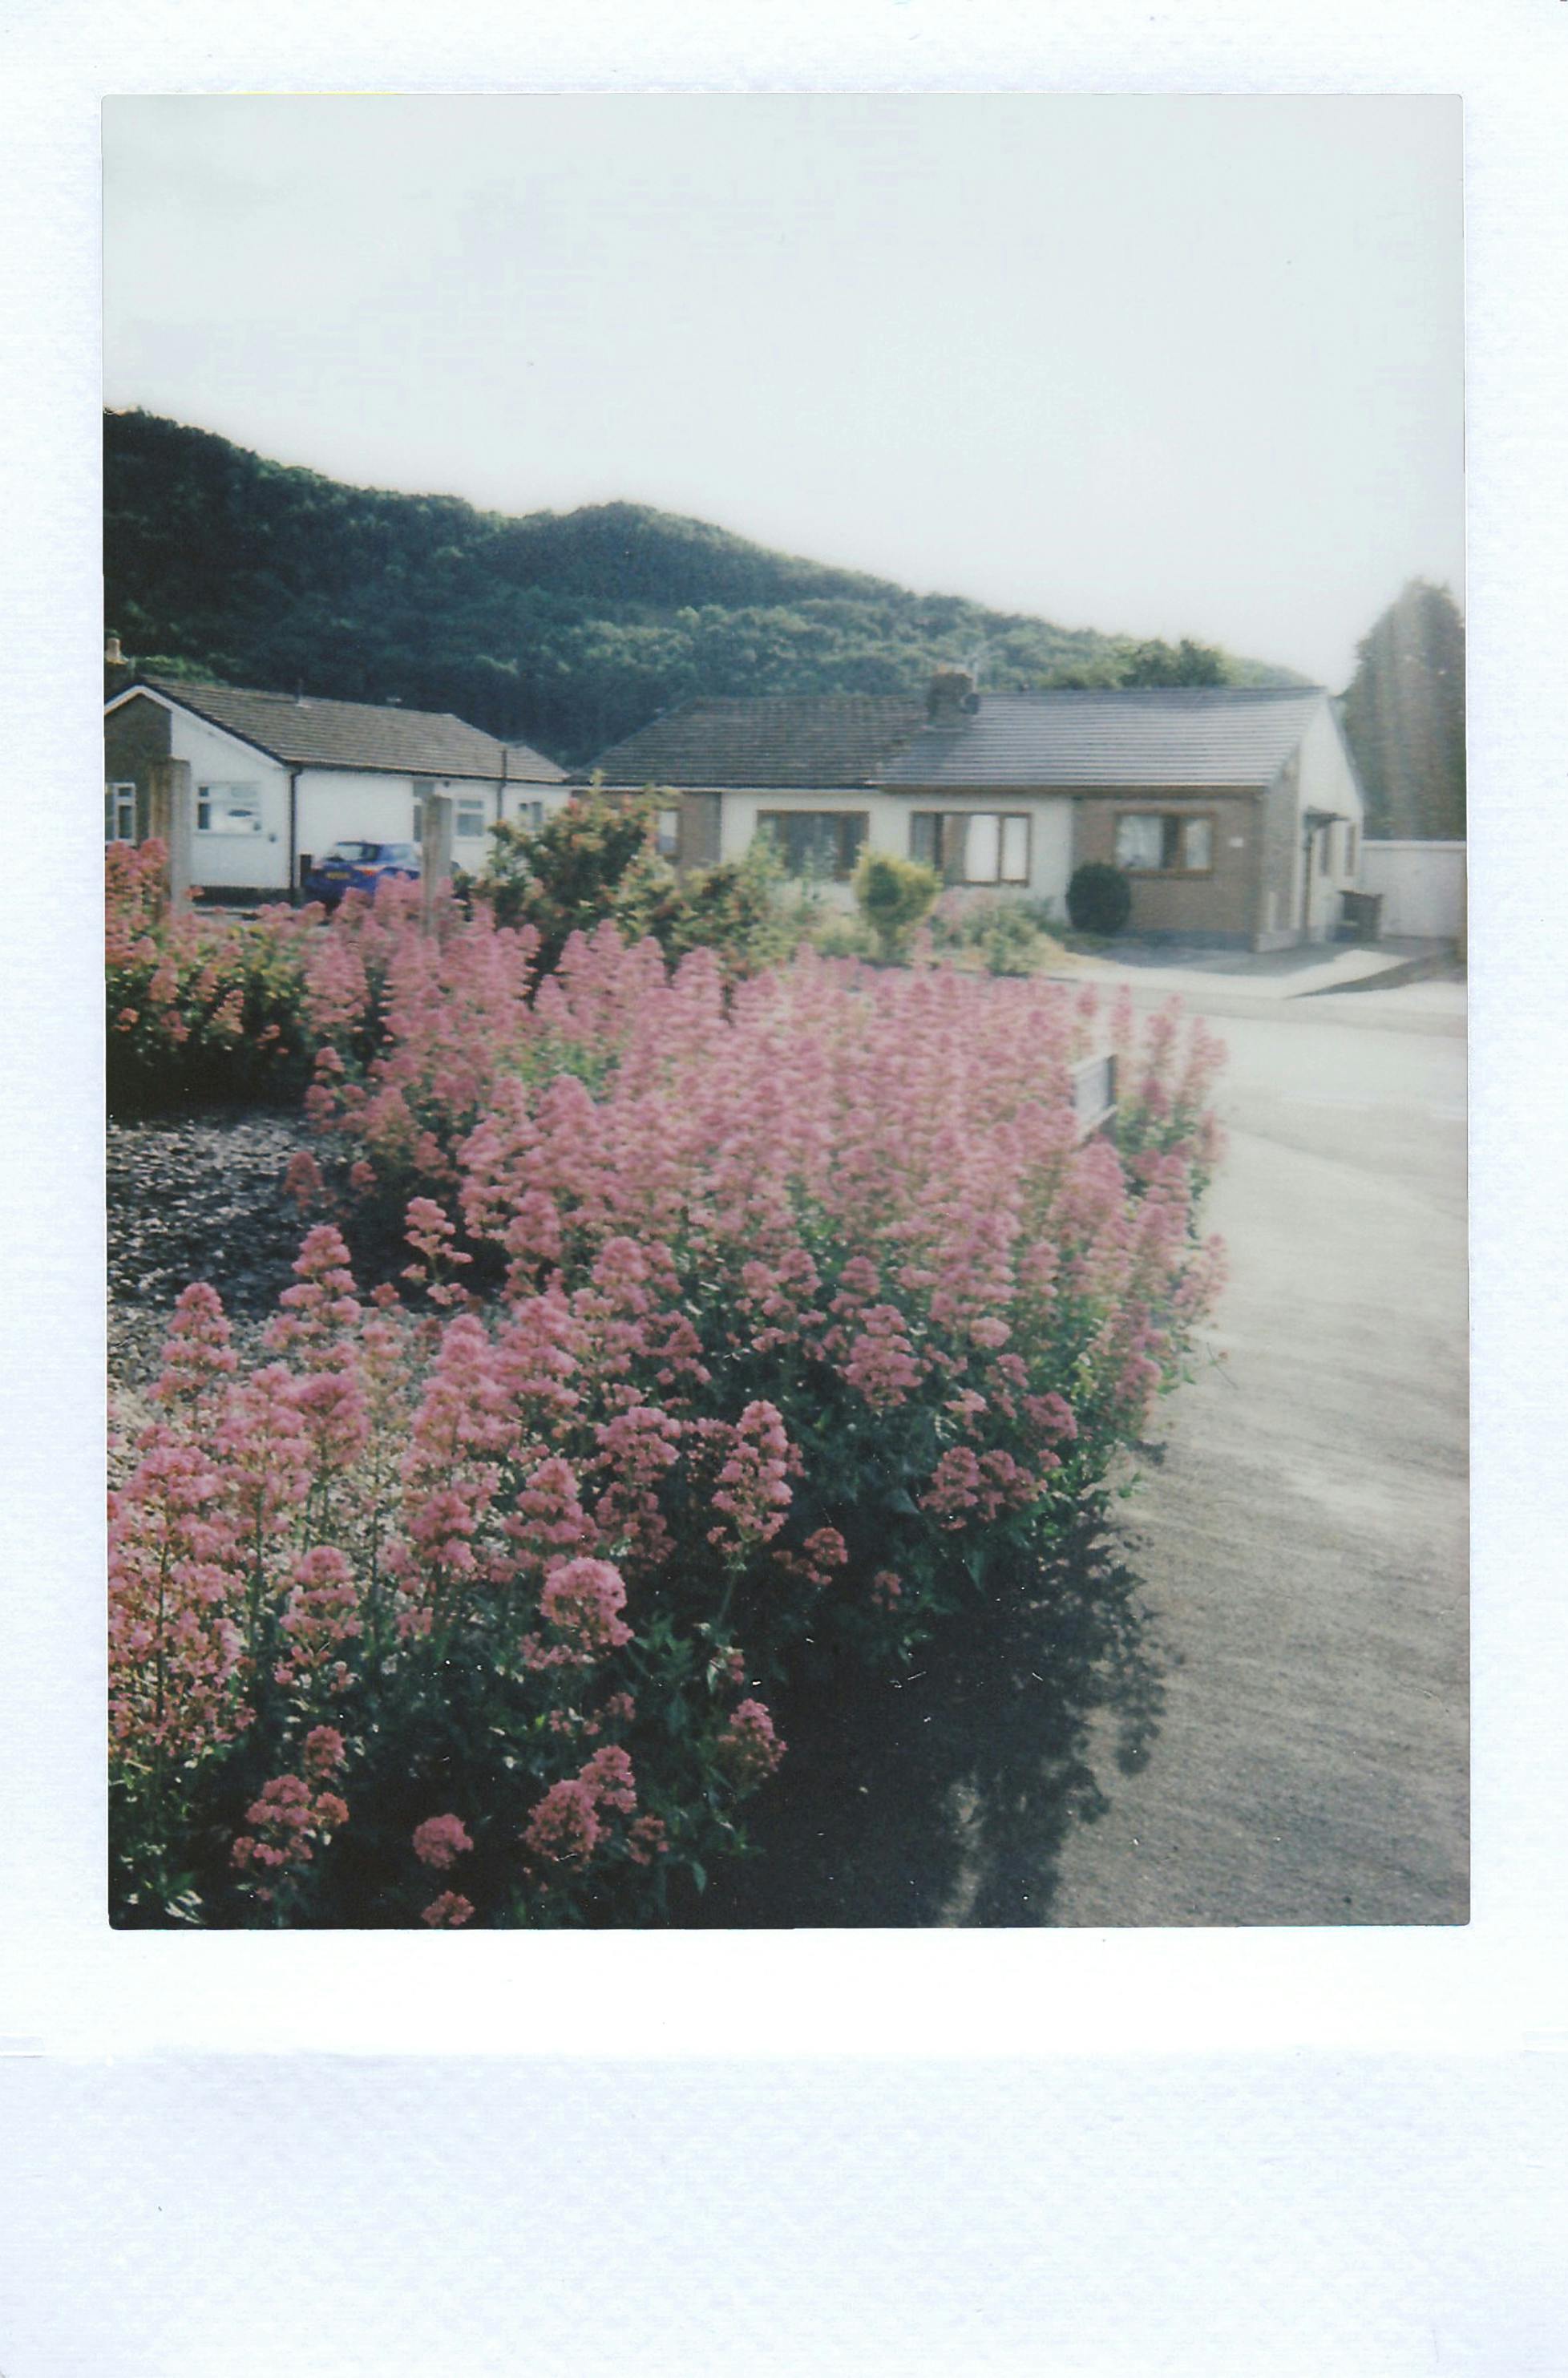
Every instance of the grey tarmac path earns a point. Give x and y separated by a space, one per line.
1305 1540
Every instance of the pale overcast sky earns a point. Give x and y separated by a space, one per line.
1173 367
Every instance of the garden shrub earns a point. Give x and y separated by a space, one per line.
1007 936
592 862
893 895
813 1319
595 861
1099 899
197 1007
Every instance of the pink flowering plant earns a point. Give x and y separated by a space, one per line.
197 1006
748 1324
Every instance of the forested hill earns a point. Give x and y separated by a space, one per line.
564 630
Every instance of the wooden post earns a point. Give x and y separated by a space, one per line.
436 855
171 819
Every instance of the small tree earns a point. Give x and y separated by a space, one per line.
1405 717
738 909
591 860
893 895
1099 899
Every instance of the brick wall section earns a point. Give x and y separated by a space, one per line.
700 829
135 735
1219 906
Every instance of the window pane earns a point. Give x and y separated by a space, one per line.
668 837
924 838
471 820
982 849
814 841
1016 850
1200 843
228 808
1140 842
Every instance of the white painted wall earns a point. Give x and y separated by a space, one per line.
338 803
521 801
335 803
1325 780
888 815
247 860
1422 886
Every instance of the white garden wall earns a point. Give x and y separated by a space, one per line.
1422 885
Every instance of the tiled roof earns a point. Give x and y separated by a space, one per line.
1142 736
806 740
316 733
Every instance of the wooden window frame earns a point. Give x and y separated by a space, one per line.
967 883
1180 818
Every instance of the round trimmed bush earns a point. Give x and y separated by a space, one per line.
1099 899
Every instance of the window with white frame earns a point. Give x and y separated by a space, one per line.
972 846
228 808
119 812
666 834
1164 841
469 823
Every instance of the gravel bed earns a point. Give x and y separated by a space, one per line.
197 1197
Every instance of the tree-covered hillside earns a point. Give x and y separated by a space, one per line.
568 630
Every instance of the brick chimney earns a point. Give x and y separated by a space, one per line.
951 697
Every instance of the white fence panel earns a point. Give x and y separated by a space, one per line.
1422 885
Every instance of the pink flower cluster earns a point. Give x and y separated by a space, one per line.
749 1750
440 1840
289 1823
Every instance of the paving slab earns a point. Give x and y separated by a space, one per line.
1268 977
1305 1540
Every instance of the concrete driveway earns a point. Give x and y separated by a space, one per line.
1304 1542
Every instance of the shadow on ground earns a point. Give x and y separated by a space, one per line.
943 1797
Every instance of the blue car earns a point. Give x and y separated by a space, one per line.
360 867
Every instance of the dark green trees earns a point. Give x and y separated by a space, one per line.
565 631
1405 718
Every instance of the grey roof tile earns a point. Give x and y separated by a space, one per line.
1141 735
806 740
314 733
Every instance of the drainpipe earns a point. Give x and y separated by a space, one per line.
1309 842
294 834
